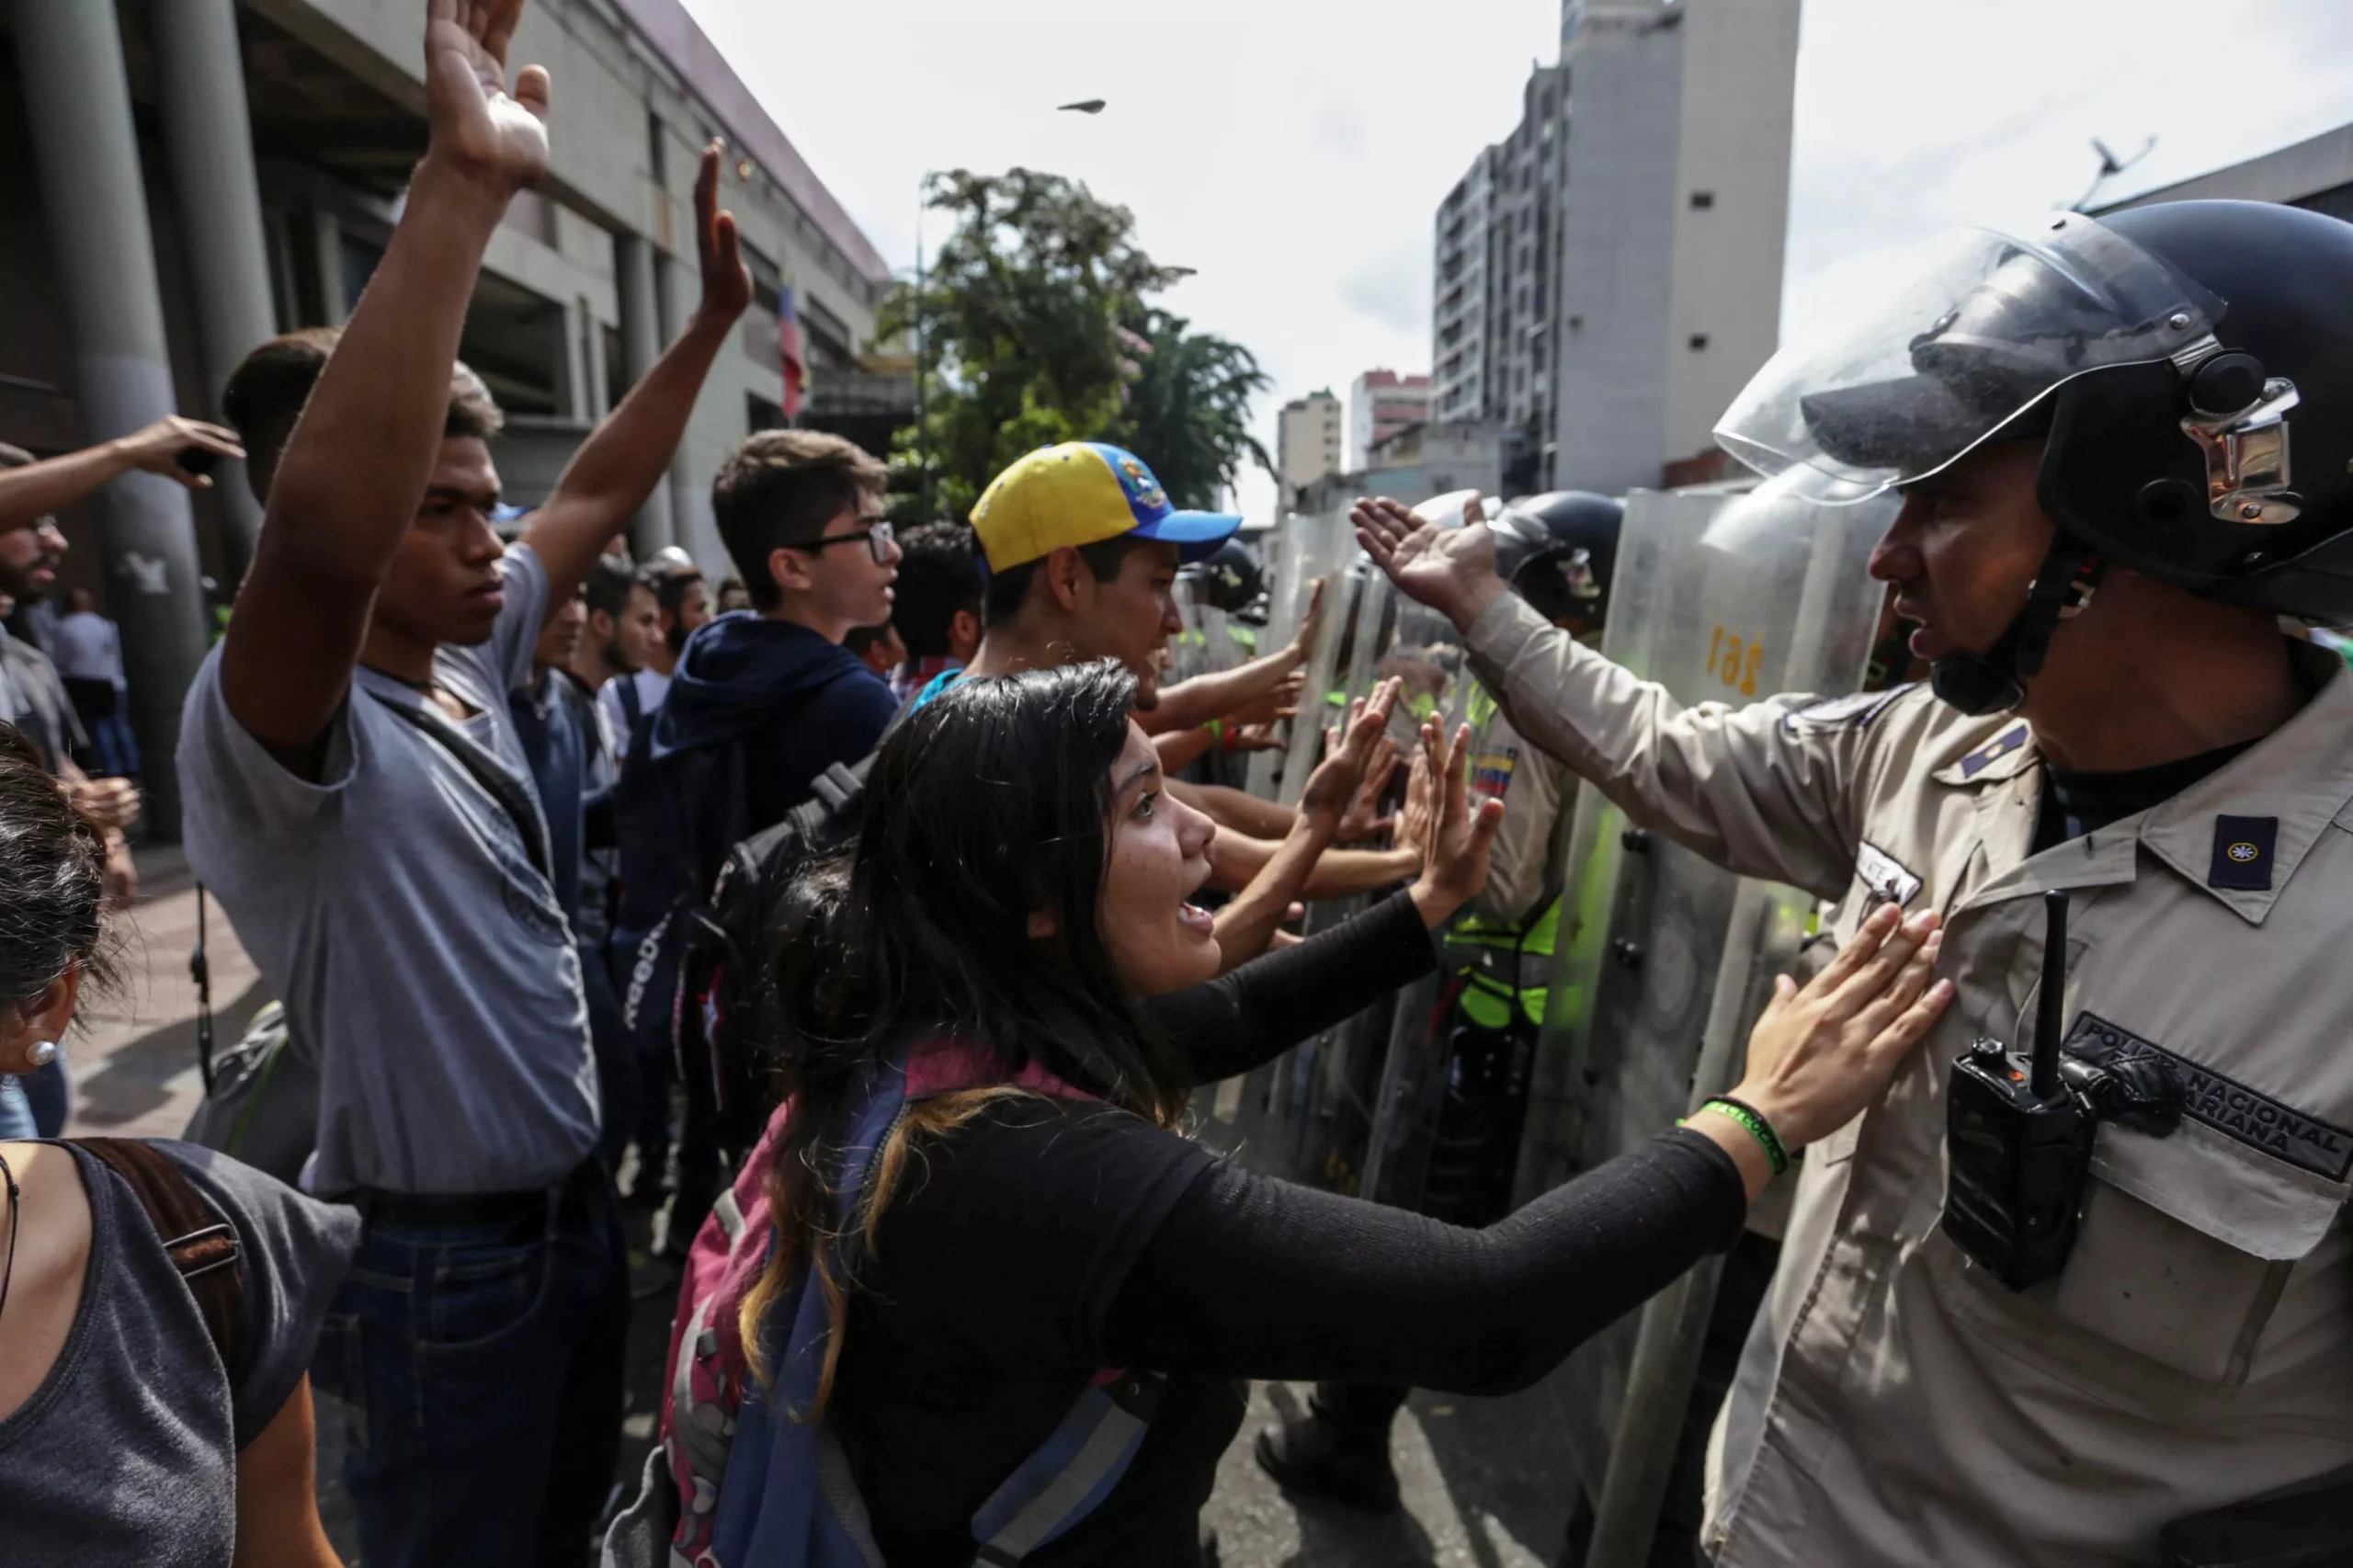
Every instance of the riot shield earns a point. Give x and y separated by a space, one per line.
1729 596
1324 1105
1421 1049
1303 550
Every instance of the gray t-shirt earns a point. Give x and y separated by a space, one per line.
126 1452
394 907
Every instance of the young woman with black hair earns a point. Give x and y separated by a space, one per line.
125 1437
1020 884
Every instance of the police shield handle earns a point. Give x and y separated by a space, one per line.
1821 1055
1451 570
1454 864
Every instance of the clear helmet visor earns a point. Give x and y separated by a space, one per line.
1990 322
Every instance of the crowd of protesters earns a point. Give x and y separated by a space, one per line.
461 795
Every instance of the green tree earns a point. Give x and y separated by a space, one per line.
1036 327
1187 410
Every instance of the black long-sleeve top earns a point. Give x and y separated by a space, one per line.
1047 1240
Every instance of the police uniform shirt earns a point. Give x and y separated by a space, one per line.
1896 1403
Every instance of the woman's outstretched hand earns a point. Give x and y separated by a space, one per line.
1820 1055
1454 837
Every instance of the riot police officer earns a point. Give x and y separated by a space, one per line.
1555 551
2123 446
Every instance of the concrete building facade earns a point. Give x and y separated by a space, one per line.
1382 403
190 176
1497 248
1307 441
1609 277
1673 215
2316 174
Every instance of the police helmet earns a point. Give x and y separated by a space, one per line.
1557 551
1228 579
2189 367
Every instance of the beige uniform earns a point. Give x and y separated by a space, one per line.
1897 1405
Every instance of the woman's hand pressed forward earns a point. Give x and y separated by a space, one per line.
1821 1054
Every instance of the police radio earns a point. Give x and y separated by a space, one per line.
2020 1139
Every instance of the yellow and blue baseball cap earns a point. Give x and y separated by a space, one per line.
1084 492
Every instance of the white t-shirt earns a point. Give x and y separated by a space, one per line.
394 907
651 687
89 648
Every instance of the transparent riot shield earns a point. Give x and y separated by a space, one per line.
1305 548
1727 596
1233 1116
1415 1075
1324 1102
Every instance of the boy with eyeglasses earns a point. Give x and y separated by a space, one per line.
763 702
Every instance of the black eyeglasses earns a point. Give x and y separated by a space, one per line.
877 535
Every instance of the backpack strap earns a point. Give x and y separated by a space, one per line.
201 1244
1071 1472
515 798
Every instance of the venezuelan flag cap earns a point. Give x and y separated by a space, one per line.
1084 492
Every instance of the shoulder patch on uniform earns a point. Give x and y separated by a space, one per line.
1994 751
2242 850
1888 877
2231 1109
1854 711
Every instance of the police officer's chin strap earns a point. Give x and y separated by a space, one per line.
1994 681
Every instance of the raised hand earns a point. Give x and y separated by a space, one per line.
1280 704
479 127
160 447
1454 868
1451 570
1820 1055
1350 759
726 281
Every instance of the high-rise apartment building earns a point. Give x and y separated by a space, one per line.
1382 403
1307 441
1610 276
1496 247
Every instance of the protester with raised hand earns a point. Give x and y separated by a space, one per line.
359 800
180 449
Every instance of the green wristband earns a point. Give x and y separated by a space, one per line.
1757 1127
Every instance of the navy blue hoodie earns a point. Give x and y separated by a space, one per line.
756 711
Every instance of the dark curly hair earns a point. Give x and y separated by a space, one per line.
52 894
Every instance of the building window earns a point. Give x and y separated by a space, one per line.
1699 340
1702 200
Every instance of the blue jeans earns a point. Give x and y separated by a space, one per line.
16 1124
481 1373
50 1095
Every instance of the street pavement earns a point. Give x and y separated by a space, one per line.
1485 1482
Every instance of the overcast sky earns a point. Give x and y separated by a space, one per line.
1294 151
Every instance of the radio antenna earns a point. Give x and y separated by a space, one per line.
2050 1002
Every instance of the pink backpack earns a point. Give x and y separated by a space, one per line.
792 1503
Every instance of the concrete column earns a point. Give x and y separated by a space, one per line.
326 254
208 143
635 262
77 99
685 504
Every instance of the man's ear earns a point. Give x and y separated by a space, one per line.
1045 924
1067 575
789 570
964 634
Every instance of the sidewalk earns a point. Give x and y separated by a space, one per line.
133 1057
